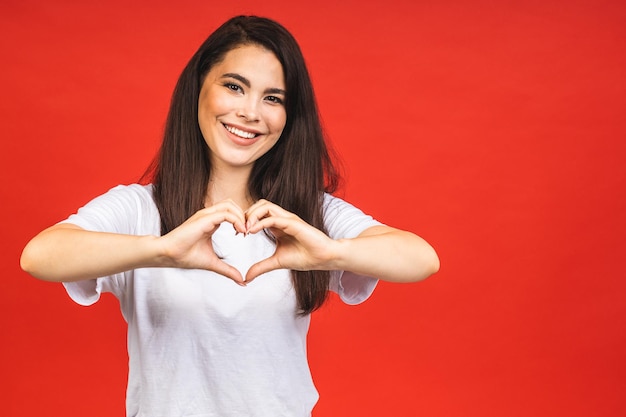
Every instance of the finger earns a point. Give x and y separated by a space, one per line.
230 205
259 203
264 209
228 271
256 211
214 216
261 267
287 225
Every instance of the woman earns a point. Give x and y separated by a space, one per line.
220 261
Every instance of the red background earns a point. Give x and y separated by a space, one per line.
496 130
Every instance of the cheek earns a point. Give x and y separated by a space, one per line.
278 121
221 103
212 103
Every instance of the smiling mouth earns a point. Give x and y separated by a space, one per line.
240 133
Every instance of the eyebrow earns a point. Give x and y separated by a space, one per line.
246 82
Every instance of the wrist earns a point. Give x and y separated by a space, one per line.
156 253
339 249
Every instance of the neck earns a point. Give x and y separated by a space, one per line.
231 185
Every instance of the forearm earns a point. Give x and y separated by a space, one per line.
68 253
387 254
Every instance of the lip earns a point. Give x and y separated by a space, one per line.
238 139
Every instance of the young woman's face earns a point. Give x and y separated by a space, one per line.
241 109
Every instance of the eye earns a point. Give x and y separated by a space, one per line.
274 99
233 87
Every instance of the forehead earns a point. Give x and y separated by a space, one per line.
253 62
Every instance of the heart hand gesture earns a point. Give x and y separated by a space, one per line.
190 244
299 246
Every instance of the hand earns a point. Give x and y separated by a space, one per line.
299 246
190 245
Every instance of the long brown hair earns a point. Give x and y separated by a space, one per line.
294 174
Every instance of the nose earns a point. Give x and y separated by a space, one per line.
248 109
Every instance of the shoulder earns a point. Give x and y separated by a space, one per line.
332 204
128 197
343 220
337 207
122 209
133 190
133 195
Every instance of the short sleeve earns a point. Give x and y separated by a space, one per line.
344 221
124 210
88 292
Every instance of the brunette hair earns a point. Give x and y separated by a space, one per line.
294 173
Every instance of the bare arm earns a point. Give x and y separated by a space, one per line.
379 251
388 254
66 252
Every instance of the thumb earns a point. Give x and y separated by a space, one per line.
261 267
228 271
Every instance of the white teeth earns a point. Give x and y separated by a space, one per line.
240 133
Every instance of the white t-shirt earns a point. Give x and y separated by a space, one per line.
200 345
